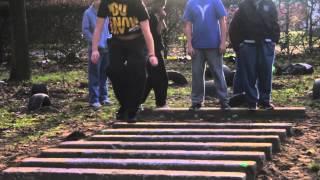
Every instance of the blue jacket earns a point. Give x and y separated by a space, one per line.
88 25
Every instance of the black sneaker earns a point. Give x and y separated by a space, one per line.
121 114
225 106
195 106
252 107
132 117
266 106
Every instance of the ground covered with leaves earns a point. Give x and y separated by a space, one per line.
24 133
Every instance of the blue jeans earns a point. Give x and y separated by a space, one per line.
254 71
214 59
97 76
237 81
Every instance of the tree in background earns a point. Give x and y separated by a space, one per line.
20 64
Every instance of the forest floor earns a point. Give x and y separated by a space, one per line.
24 133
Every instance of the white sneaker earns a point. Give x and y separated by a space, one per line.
163 107
107 103
95 106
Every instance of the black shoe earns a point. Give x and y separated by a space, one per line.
132 117
195 106
121 114
252 107
225 106
266 106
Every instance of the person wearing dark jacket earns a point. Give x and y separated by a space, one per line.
254 32
157 76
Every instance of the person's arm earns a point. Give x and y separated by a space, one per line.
145 27
96 39
161 21
188 33
161 26
235 32
223 38
86 31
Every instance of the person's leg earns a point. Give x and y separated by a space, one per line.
149 84
136 75
215 63
116 71
247 65
104 60
238 79
160 82
198 65
266 60
93 78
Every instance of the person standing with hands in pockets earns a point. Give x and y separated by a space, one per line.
129 26
206 31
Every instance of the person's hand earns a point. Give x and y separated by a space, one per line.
153 61
222 48
95 56
190 49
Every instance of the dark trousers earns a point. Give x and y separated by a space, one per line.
254 70
158 81
127 72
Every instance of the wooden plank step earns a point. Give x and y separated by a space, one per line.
274 139
204 125
37 173
216 114
259 157
249 167
282 133
218 146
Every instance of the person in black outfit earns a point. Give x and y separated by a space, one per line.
157 76
129 26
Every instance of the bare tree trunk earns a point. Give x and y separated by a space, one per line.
287 38
310 31
307 17
20 65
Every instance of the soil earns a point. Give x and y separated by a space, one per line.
297 154
293 162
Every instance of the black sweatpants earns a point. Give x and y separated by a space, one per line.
127 72
158 81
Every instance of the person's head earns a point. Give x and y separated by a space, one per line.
158 4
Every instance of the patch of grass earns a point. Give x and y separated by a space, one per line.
63 77
294 90
4 74
314 167
6 119
17 122
26 122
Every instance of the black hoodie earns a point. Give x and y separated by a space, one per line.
255 20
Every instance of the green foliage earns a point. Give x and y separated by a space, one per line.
6 119
314 167
67 77
11 120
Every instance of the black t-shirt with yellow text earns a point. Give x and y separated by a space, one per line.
124 15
